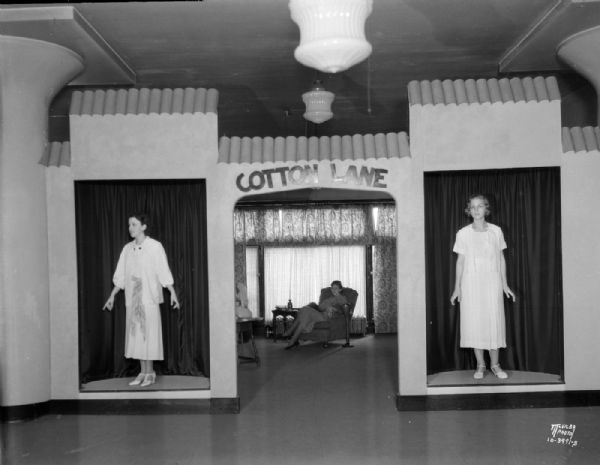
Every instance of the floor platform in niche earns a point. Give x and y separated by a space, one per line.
465 378
163 383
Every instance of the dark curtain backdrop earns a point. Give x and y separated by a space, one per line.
526 205
177 212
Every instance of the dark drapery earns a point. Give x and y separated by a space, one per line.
526 205
177 212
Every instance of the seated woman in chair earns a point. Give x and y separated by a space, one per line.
331 300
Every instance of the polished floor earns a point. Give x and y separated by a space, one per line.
313 406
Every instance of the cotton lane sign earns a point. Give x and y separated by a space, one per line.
306 175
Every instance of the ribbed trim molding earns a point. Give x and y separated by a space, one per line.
144 101
57 154
481 91
577 139
286 149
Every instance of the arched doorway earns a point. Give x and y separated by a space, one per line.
317 222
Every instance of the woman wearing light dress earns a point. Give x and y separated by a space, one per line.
332 300
142 271
480 283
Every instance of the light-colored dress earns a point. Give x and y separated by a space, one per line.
482 324
142 271
328 306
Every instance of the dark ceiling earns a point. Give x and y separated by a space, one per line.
244 49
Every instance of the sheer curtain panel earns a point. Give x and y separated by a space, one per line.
299 274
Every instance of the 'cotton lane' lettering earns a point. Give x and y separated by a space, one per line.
373 177
278 177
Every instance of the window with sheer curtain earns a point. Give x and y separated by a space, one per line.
307 247
299 274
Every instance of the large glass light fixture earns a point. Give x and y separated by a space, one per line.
318 103
332 33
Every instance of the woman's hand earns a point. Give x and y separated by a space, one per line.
508 293
455 296
109 303
174 301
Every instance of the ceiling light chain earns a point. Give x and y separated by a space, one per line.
369 86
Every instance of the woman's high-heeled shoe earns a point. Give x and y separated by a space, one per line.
138 379
149 379
479 372
499 372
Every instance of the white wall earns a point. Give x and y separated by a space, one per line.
185 146
486 136
167 146
64 332
580 192
443 137
517 135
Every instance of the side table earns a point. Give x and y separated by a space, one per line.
284 312
245 329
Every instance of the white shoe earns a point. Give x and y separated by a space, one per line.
149 379
479 372
499 372
138 379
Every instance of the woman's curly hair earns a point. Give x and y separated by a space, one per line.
481 197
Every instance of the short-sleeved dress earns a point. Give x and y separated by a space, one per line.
142 271
482 324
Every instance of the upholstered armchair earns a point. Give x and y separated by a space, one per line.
337 326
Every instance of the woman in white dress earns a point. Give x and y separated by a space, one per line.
142 271
480 282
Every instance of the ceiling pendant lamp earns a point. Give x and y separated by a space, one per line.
318 104
332 33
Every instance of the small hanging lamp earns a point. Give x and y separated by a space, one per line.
332 33
318 103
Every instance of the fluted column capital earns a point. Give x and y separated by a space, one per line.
580 52
35 67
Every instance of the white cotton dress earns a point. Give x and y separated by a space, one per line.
482 324
142 271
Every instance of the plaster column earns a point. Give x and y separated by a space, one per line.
31 73
580 52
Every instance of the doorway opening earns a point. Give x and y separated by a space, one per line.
290 246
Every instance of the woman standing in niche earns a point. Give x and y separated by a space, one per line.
480 282
142 271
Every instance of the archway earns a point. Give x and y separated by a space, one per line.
316 221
